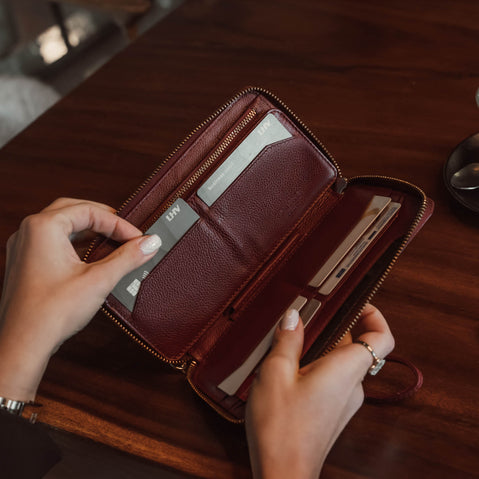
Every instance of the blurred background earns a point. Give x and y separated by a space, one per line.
48 48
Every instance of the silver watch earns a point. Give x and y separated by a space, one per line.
12 406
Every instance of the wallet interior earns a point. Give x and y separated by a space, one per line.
253 250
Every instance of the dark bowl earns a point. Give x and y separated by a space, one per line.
466 152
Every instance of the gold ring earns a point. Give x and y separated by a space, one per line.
378 363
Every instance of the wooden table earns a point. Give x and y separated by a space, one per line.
389 87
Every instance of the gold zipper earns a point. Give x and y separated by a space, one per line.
207 163
177 364
205 398
386 272
300 122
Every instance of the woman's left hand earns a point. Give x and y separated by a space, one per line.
49 294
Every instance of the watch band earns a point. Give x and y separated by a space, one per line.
12 406
17 408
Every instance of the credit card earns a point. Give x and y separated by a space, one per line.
307 312
359 248
268 131
307 309
170 227
372 211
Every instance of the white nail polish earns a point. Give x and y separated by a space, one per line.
150 244
290 320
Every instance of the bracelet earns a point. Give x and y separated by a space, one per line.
12 406
16 407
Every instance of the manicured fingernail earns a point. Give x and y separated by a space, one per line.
149 244
290 320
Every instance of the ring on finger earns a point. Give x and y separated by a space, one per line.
378 363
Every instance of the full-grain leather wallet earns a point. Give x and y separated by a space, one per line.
256 218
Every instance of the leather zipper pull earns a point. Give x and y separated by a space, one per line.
340 184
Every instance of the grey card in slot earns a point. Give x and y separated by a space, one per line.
371 213
232 383
170 227
307 312
359 248
268 131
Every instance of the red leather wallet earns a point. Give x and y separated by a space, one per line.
268 209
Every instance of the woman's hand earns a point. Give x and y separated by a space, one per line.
49 294
295 415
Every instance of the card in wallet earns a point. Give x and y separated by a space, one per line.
254 217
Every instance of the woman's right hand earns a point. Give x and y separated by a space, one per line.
295 415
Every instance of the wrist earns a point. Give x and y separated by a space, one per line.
21 368
286 468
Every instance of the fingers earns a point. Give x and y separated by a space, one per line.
131 255
84 216
351 359
287 346
64 202
374 330
98 221
76 216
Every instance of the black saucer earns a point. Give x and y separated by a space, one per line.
466 152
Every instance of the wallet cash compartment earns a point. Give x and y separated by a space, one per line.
290 280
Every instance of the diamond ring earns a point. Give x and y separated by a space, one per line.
378 363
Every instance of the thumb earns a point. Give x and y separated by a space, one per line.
123 260
288 339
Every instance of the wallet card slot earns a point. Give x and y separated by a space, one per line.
202 169
185 158
267 132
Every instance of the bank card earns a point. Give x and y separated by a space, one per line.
268 131
232 383
359 248
170 227
371 213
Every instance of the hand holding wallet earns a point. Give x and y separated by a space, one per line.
254 218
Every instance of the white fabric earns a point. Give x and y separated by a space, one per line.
22 100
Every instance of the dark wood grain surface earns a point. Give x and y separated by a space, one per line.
389 88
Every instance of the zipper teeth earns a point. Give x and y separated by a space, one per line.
207 163
140 341
386 272
303 125
205 398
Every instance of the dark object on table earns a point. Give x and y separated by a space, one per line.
466 152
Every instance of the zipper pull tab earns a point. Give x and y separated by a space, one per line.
183 366
340 185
